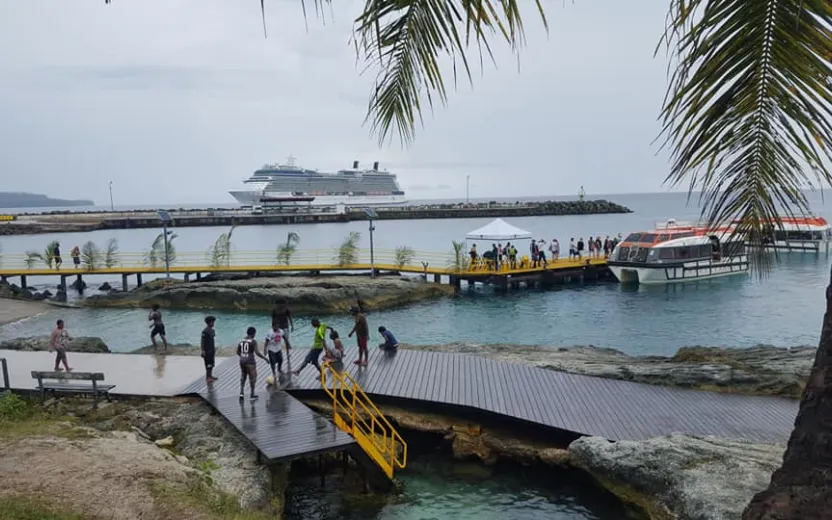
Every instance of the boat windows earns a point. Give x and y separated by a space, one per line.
632 237
647 238
667 253
642 254
623 253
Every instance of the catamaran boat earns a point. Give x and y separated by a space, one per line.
678 252
798 235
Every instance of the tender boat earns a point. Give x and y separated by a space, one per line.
678 252
797 235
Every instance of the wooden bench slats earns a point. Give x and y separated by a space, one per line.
77 388
59 383
75 376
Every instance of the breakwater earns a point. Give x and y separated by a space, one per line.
72 221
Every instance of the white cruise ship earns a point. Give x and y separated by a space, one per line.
291 184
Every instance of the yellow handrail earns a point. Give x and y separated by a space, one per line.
354 413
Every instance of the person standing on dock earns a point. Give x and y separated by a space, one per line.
208 348
76 257
362 336
157 328
318 345
591 247
56 255
59 342
274 349
554 249
541 253
512 256
533 253
573 249
248 354
580 248
282 319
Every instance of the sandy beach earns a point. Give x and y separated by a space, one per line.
13 310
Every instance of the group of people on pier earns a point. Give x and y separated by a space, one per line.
541 252
275 342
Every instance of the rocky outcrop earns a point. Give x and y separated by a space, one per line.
762 370
679 476
41 343
321 294
184 349
469 439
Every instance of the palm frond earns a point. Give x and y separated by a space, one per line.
458 261
111 254
221 252
348 250
91 256
748 112
286 250
404 256
405 40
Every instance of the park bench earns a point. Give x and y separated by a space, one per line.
61 385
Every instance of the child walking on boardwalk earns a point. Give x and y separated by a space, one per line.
209 348
248 354
318 345
273 349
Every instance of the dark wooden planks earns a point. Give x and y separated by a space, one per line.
581 404
279 426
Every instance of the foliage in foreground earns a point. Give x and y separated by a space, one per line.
459 259
286 250
198 493
348 250
32 508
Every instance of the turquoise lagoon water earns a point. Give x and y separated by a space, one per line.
437 489
784 309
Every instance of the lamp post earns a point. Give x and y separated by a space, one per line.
371 215
112 208
165 217
467 186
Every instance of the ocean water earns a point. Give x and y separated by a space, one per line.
435 489
784 308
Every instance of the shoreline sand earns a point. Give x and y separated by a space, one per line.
15 310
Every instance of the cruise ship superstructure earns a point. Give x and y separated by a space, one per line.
291 184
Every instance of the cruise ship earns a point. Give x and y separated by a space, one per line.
291 184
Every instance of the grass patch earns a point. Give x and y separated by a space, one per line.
20 418
28 508
198 495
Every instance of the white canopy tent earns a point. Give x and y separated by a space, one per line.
500 230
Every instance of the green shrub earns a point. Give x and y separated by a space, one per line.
12 406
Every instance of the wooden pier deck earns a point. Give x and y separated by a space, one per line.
436 267
616 410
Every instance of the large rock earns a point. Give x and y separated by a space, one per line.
41 343
763 369
324 294
680 476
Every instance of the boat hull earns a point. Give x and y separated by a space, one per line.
654 274
254 197
796 246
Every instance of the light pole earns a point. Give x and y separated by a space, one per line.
164 216
112 208
371 215
467 185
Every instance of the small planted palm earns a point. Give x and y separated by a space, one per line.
404 256
91 256
286 250
459 260
47 257
348 250
220 253
156 256
111 254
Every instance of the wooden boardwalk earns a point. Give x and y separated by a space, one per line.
279 426
616 410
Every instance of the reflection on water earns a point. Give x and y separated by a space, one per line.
784 308
435 488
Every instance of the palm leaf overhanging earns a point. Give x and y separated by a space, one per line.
748 107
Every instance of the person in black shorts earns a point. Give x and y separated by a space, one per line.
282 319
157 328
56 255
209 348
248 354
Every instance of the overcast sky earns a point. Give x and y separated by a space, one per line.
180 100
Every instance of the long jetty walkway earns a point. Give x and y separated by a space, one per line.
435 267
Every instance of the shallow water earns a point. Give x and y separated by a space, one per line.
436 489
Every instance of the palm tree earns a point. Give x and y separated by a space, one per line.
286 251
156 256
220 253
111 254
348 250
458 261
47 256
91 256
747 119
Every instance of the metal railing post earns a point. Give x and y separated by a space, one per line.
5 368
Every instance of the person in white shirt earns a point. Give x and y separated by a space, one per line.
573 250
273 339
554 249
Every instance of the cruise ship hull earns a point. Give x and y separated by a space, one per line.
254 198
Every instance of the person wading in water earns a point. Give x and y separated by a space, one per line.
282 319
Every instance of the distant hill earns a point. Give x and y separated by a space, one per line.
35 200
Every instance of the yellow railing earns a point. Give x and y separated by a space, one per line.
355 413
